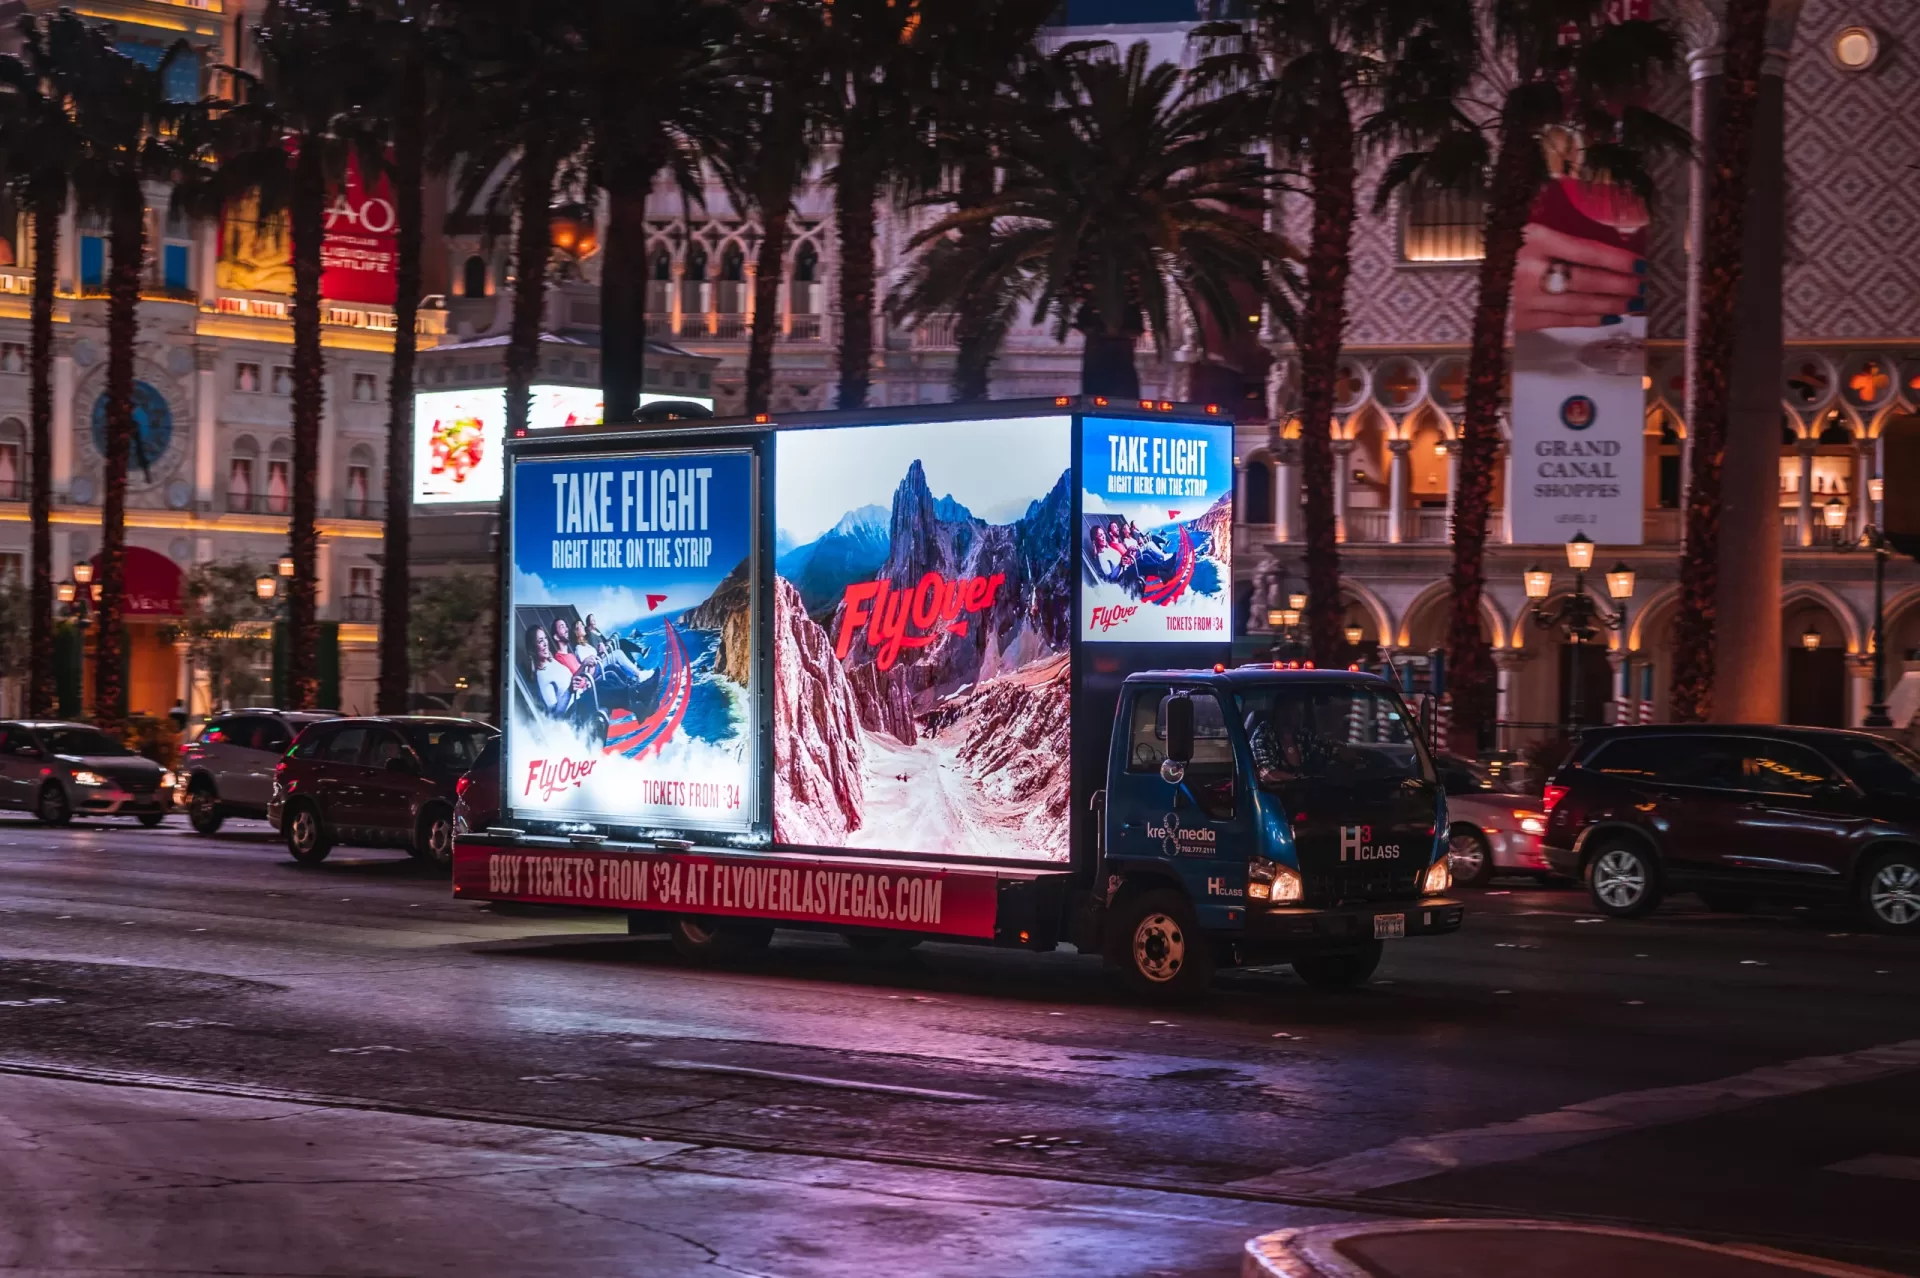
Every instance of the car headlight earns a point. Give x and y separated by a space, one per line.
1532 822
1271 881
1439 878
83 777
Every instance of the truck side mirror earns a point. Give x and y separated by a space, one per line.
1180 729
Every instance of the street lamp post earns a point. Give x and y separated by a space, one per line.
1577 615
1287 621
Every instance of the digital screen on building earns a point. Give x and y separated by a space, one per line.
630 700
922 621
1156 531
456 445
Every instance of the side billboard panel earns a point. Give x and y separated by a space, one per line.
922 629
631 693
1156 531
457 438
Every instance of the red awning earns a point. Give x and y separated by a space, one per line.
153 583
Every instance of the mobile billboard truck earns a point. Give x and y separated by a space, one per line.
939 673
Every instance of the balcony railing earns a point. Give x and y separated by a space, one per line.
729 327
13 490
363 508
1367 525
804 328
360 608
659 325
259 504
1433 526
935 333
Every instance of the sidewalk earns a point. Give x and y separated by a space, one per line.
1503 1248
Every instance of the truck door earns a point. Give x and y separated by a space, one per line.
1194 827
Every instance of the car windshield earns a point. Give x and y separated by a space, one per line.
1880 767
1331 731
450 749
81 742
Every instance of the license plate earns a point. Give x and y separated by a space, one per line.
1389 927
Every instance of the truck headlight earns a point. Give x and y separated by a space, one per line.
91 779
1438 879
1271 881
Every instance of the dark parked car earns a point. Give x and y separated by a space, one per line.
228 769
1738 814
61 770
375 782
477 802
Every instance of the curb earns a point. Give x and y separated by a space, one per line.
1317 1251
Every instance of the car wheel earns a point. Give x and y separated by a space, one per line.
151 819
307 840
433 838
1622 880
53 808
1890 893
1469 858
710 940
1157 950
1340 971
203 809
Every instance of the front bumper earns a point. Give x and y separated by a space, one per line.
1562 860
1513 850
1350 924
110 800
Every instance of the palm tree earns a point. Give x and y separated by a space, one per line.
1550 65
1711 356
1122 197
1304 71
127 133
663 87
286 142
38 139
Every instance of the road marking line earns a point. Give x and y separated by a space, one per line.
815 1080
1417 1157
1896 1166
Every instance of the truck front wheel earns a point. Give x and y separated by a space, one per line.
718 940
1157 950
1339 971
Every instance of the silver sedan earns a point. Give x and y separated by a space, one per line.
1491 833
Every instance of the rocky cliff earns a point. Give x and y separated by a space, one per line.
1017 733
729 609
1217 523
819 792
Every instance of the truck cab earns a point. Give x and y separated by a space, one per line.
1263 815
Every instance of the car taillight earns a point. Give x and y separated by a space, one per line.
460 786
1553 795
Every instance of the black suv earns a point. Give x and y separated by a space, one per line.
1737 814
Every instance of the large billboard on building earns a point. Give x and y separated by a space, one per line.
358 249
1579 357
632 681
922 620
457 436
1156 531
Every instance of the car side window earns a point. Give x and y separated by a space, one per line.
387 747
217 732
346 745
1783 768
19 742
273 737
1690 761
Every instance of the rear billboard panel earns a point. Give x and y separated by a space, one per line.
1156 531
631 693
922 628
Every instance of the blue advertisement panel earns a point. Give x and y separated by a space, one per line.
632 684
1156 531
922 636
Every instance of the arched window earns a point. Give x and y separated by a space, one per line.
733 265
1257 491
359 501
240 476
662 266
279 493
13 460
473 277
806 271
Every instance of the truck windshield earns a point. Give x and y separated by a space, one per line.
1331 731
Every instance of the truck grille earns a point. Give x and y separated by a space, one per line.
1330 885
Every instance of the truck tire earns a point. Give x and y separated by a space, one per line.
1340 971
1156 949
711 940
306 834
1623 879
203 808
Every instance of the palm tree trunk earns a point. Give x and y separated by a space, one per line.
855 191
976 328
49 200
776 219
532 247
409 165
623 290
1107 367
127 234
307 212
1323 328
1469 657
1710 356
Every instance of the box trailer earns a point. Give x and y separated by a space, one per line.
953 672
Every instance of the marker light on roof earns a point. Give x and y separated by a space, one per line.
1218 668
1307 666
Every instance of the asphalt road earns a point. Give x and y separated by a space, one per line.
214 1060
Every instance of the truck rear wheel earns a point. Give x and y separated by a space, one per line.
713 940
1157 950
1339 971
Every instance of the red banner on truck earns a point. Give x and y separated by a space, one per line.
947 902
